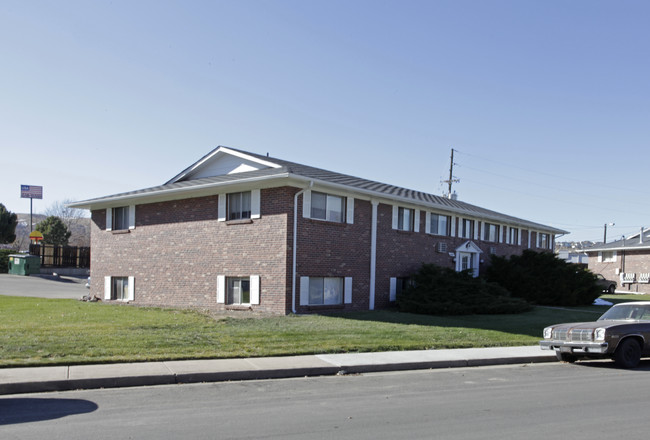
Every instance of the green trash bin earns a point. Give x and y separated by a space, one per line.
21 264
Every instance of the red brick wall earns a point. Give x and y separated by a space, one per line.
178 248
328 249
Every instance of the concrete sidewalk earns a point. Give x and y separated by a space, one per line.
41 379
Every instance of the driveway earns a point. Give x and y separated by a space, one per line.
43 286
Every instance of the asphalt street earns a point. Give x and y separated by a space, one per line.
538 401
43 286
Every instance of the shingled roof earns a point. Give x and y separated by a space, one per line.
274 168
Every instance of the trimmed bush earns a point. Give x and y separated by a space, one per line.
442 291
542 278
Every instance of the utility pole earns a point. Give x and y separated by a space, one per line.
605 233
451 175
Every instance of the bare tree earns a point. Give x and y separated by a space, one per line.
70 216
75 219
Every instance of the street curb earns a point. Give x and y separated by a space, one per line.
254 374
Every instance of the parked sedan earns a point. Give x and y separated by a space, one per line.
607 285
621 334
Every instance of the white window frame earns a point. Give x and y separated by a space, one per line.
491 232
223 209
130 218
514 236
305 284
464 232
109 292
331 202
254 287
399 222
430 224
607 257
348 207
540 241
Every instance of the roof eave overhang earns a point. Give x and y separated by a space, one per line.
644 247
164 195
282 179
375 195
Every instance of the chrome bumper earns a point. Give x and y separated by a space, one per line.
575 347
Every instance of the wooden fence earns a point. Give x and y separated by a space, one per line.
61 256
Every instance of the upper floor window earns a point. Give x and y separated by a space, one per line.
439 224
327 207
120 218
405 219
466 228
491 232
542 240
514 236
239 205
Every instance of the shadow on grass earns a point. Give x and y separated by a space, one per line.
25 410
528 323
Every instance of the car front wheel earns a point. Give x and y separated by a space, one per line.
628 354
611 290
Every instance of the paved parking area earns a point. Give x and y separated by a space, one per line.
43 286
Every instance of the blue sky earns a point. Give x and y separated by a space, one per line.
546 102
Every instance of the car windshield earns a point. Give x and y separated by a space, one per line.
628 311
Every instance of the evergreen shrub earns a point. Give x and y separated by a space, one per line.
441 291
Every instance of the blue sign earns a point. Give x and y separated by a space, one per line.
31 192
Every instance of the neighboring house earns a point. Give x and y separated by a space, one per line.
237 230
573 257
626 260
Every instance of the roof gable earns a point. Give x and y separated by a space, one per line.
222 161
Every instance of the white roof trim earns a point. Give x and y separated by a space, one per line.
218 150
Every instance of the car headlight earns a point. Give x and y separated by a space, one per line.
548 333
599 334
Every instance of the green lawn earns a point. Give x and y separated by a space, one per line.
36 331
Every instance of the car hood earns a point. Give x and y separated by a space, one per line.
593 324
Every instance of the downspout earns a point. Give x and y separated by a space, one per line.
373 255
295 245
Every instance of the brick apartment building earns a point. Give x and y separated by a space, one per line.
626 261
237 230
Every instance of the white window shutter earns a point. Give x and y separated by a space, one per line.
427 223
453 226
304 291
255 289
132 217
221 289
347 290
306 204
475 222
255 203
109 219
395 216
131 289
349 217
393 289
221 208
416 221
503 229
600 257
107 288
518 237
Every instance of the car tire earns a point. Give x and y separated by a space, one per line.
611 290
628 353
565 357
